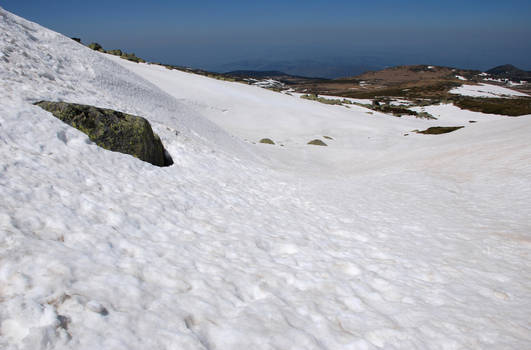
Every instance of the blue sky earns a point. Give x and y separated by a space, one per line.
209 34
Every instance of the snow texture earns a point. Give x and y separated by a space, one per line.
379 241
266 83
486 90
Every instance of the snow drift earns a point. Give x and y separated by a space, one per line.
378 241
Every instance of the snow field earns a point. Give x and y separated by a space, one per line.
377 241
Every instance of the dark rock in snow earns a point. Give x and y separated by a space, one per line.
317 142
113 130
438 130
267 141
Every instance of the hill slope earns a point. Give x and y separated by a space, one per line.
377 241
508 71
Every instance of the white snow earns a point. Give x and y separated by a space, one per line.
460 77
379 240
507 81
399 102
513 83
364 101
497 80
485 90
266 83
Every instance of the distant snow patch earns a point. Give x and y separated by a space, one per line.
399 102
498 80
486 90
266 83
365 101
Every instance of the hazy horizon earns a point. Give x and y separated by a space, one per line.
340 36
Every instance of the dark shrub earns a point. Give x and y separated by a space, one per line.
132 57
95 46
116 52
505 106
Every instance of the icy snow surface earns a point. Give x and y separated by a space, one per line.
378 241
485 90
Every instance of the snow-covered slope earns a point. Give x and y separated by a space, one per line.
378 241
486 90
361 137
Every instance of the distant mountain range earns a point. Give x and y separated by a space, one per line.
275 75
394 74
256 74
316 69
303 68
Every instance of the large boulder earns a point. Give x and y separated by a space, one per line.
112 130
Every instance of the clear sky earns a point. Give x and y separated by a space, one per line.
208 34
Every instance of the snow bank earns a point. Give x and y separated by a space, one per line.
486 90
378 241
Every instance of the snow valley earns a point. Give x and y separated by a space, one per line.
385 238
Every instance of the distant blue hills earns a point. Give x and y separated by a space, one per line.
301 68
